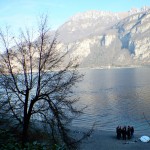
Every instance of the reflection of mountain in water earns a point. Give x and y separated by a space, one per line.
101 39
115 97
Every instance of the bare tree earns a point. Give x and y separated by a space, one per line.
36 85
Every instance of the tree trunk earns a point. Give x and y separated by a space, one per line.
25 119
27 116
25 130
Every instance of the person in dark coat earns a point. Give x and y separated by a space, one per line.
129 132
124 133
120 132
132 131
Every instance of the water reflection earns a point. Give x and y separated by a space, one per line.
115 97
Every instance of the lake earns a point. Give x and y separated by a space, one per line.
115 97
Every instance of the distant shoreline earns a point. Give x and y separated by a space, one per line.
115 67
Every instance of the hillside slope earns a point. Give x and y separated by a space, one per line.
108 39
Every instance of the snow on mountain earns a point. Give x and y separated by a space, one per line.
88 23
101 38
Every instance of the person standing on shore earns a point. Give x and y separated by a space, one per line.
124 133
129 132
118 131
132 131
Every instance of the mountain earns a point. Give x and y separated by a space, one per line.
101 39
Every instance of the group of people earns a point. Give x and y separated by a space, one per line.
124 132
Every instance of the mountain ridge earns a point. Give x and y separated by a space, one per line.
107 39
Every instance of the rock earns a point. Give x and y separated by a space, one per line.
101 38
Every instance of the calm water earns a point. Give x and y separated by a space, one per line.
115 97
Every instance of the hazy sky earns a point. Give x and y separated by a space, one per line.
20 13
